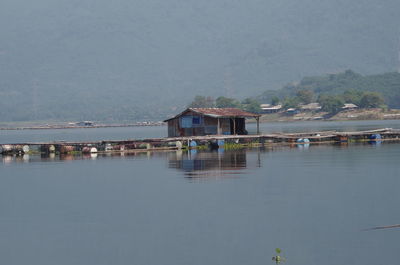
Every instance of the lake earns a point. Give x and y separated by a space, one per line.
221 207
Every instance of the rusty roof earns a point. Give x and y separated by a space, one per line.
220 113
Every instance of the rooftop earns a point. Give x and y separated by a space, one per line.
349 106
270 107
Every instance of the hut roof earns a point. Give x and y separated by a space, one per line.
219 113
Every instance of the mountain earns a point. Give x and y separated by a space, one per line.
144 59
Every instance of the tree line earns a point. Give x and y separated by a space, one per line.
345 87
333 103
248 104
329 103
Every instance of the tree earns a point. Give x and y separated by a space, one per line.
330 103
290 103
305 96
251 105
371 100
223 102
275 100
202 102
353 96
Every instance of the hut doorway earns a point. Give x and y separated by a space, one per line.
237 126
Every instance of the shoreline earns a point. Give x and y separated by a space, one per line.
309 116
348 115
61 127
262 121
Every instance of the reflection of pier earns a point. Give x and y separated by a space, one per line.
53 157
211 164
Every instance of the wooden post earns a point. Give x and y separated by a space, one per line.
258 125
218 128
234 126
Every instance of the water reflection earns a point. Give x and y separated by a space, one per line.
52 157
219 163
193 163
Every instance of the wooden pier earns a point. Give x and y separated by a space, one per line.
213 141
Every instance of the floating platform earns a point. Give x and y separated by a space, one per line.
193 142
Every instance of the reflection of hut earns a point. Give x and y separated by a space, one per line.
206 161
209 121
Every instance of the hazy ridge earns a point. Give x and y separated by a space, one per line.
133 60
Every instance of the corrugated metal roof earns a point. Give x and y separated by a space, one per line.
349 106
220 113
276 107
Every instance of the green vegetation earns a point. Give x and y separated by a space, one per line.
305 96
233 146
331 91
251 105
248 104
223 102
371 100
202 102
330 103
290 102
275 100
370 91
277 258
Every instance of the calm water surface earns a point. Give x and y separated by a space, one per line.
221 207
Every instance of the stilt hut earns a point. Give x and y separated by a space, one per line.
210 121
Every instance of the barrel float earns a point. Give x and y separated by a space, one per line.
108 147
89 150
118 147
25 149
48 149
376 136
13 149
6 149
303 140
178 144
64 149
52 149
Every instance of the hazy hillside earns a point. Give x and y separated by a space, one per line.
138 59
387 84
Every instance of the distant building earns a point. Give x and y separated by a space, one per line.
84 123
292 111
210 121
268 108
349 106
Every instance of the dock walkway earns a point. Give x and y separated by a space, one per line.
132 145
